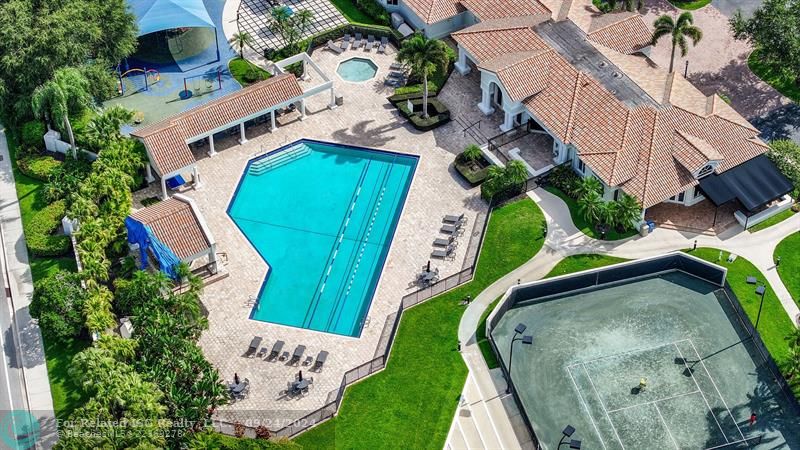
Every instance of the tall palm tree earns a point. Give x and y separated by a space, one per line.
65 94
679 30
239 40
424 56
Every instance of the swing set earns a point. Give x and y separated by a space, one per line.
151 76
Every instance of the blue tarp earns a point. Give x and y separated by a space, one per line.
139 233
159 15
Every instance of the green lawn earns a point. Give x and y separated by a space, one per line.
483 341
775 324
242 68
411 403
774 220
577 263
689 5
776 76
66 394
351 12
581 223
789 269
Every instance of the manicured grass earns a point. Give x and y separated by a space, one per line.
412 402
690 5
351 12
774 75
66 394
775 324
581 223
774 220
789 269
483 341
44 267
242 68
577 263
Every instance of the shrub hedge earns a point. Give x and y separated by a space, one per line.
374 10
39 231
441 116
320 39
32 134
39 167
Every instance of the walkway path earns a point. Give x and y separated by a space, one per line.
564 239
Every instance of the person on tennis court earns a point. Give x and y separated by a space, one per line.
642 384
752 419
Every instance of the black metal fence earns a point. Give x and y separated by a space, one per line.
507 137
383 349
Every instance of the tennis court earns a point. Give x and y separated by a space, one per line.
657 363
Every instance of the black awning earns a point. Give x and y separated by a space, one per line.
754 183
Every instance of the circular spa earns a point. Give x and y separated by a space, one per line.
357 69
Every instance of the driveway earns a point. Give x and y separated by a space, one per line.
719 64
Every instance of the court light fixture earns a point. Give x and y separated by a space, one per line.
761 289
568 431
520 328
575 444
528 340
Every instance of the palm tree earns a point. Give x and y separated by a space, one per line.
289 25
792 363
65 94
516 173
105 127
424 56
608 214
664 25
471 153
239 40
629 211
591 205
587 185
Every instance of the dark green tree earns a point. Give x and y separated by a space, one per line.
774 30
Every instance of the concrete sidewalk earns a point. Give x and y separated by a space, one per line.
25 332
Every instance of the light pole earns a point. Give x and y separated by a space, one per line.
569 430
527 340
760 290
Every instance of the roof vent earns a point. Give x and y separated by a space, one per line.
603 63
617 75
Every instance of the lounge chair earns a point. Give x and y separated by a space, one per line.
357 41
346 38
334 48
451 228
298 353
443 253
384 43
444 242
254 343
370 42
398 75
345 43
393 82
321 358
276 350
396 66
454 219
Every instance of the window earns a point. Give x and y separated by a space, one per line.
616 195
697 193
706 170
581 166
391 2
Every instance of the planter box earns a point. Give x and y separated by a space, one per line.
438 112
474 172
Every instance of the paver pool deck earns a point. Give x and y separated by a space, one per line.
366 119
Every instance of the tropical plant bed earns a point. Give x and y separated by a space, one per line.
689 5
474 171
247 73
438 114
776 75
39 167
581 223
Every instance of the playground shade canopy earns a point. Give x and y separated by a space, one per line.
159 15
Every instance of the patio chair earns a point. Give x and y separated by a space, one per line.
308 360
262 353
444 242
276 350
455 219
370 42
334 48
321 358
357 41
443 253
384 43
254 343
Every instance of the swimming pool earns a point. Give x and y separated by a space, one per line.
322 216
357 69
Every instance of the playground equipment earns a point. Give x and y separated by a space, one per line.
150 76
201 84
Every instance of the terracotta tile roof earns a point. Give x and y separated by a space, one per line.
492 38
175 223
432 11
623 32
492 9
554 104
523 74
166 140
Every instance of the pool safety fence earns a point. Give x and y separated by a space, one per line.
384 347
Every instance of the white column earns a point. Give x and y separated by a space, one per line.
212 258
462 66
164 195
332 105
486 100
272 119
149 170
302 109
196 176
508 123
211 151
242 136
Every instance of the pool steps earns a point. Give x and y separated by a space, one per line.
270 162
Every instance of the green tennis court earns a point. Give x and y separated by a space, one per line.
657 363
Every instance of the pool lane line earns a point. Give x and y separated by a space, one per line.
312 307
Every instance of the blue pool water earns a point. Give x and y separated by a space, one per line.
357 69
322 216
